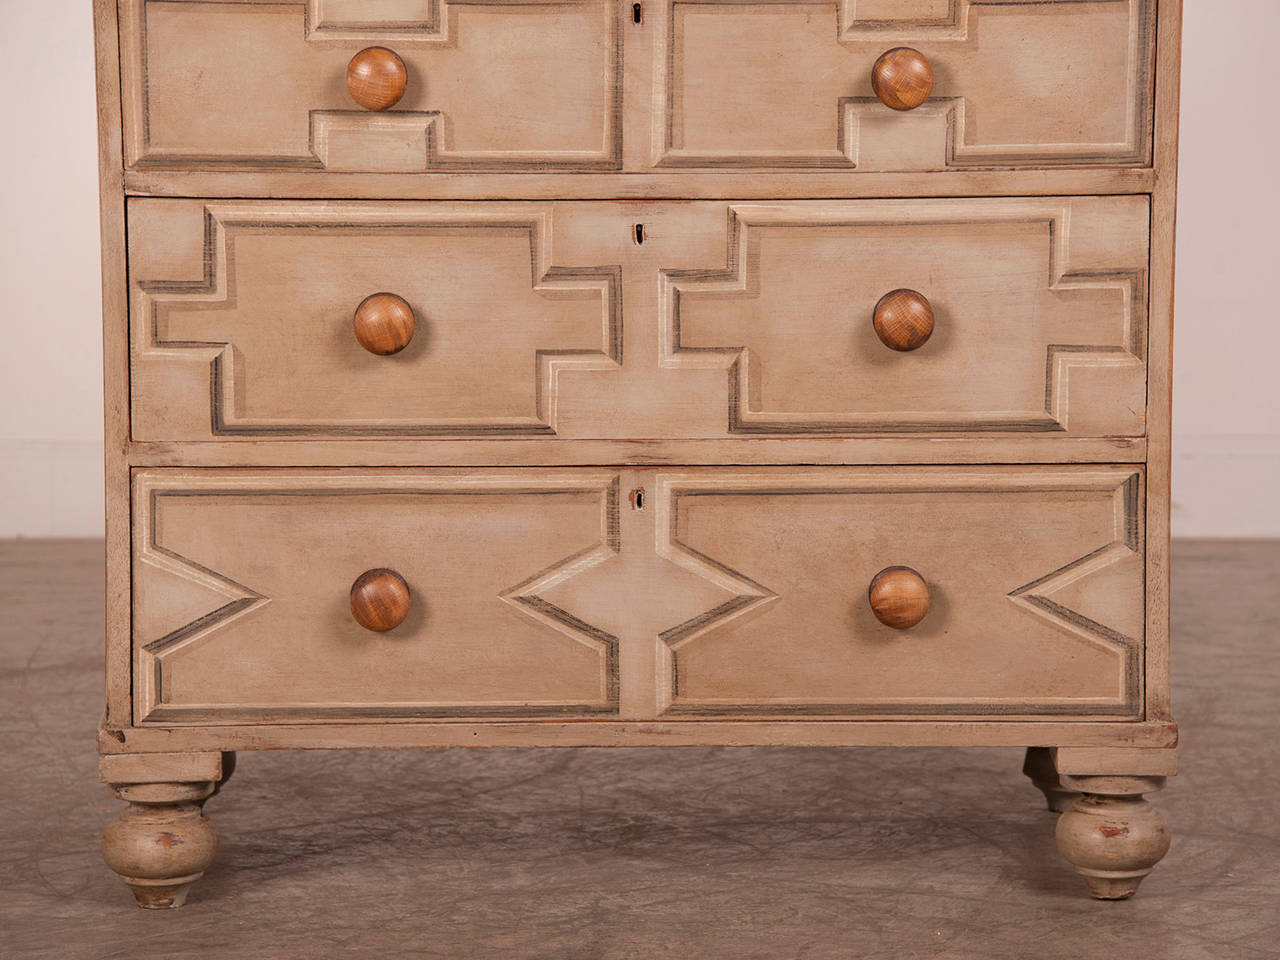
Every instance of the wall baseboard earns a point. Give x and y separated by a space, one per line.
1226 485
52 488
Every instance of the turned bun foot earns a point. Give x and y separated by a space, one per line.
163 842
160 894
1111 835
1039 767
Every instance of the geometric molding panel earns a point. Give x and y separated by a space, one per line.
270 92
747 599
746 84
261 344
1066 596
797 549
1047 291
209 649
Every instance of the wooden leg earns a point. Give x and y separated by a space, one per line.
162 843
1111 835
228 768
1039 767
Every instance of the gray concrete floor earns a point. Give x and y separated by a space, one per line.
698 853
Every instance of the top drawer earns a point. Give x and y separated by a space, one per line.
487 86
903 85
727 86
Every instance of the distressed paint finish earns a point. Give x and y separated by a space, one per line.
228 625
1049 623
636 453
275 93
748 85
704 588
729 86
731 319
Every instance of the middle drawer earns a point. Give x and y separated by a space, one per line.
270 319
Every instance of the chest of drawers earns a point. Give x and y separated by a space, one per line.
583 372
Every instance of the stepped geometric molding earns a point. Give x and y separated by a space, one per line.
799 63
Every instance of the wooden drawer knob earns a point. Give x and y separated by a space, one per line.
384 324
380 599
899 597
376 78
903 320
902 78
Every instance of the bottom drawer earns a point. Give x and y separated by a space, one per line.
637 593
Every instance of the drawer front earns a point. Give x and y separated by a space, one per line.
550 320
242 607
1038 313
487 86
637 594
788 84
243 318
724 86
1029 582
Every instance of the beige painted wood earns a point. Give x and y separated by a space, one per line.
626 171
1164 202
595 464
1111 835
115 367
492 86
1047 622
1050 292
550 451
1038 767
566 87
745 84
260 297
616 733
162 843
643 593
1115 761
763 185
241 589
160 767
728 319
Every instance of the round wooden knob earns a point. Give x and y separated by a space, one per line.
384 324
902 78
899 597
376 78
903 320
380 599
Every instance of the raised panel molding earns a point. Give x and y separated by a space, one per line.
1081 93
702 592
241 319
270 88
378 397
181 604
1094 599
700 306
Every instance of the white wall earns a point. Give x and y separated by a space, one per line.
51 347
1227 420
1226 444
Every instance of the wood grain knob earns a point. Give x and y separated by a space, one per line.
903 320
379 599
899 597
384 324
902 78
376 78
